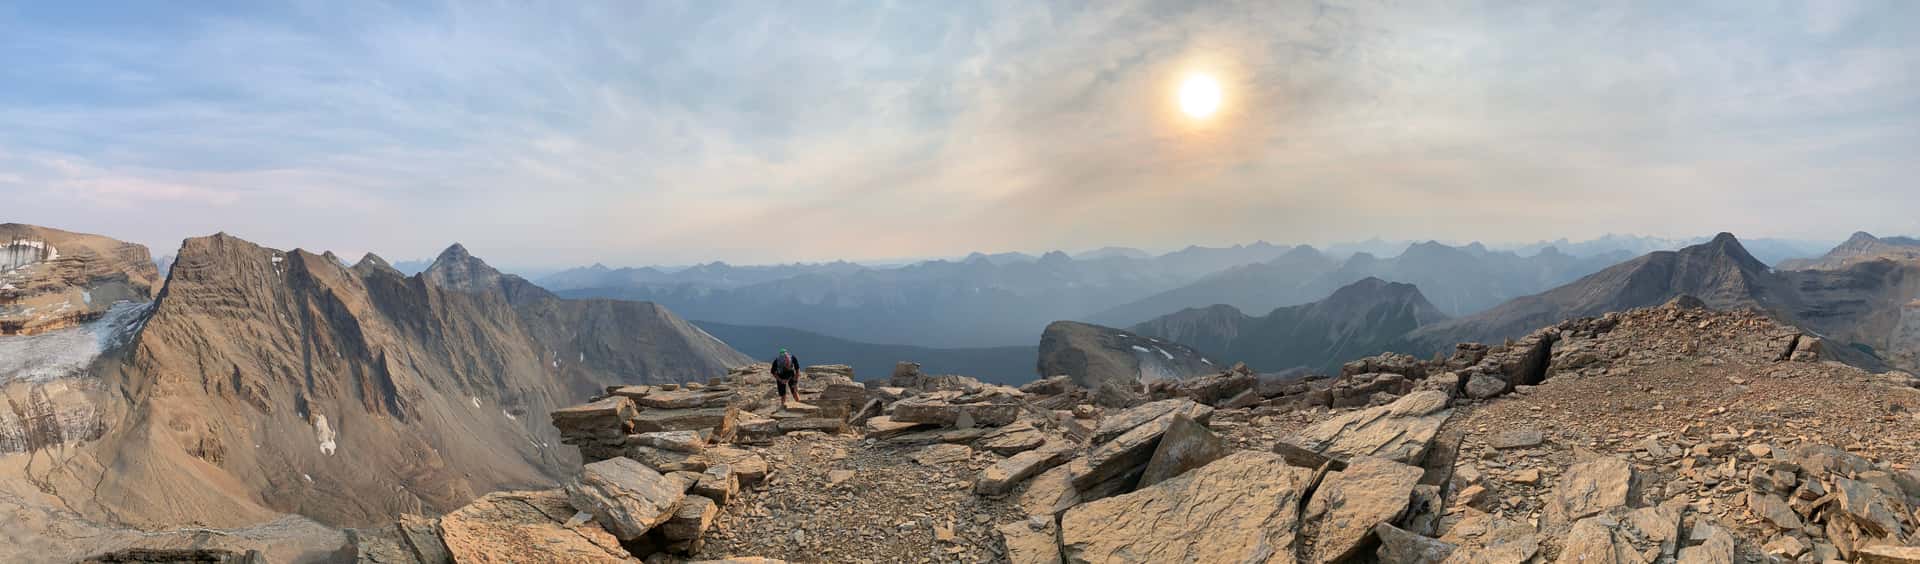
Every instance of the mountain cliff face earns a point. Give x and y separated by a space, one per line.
52 279
1719 272
1356 321
267 381
1862 247
1092 354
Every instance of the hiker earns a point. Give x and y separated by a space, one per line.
786 376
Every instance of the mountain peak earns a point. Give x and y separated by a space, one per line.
456 269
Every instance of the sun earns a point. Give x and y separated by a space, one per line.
1200 96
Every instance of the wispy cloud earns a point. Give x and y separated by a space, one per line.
668 132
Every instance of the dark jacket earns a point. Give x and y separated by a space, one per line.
792 368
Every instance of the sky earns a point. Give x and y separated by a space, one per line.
567 133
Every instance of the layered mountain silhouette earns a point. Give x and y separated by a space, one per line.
264 382
1458 280
999 365
1358 320
980 301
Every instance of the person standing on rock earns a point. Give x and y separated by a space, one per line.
786 376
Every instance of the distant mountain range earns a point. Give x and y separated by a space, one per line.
1000 365
1458 280
977 302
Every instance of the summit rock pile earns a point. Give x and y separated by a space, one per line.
1661 435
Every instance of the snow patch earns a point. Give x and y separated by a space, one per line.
476 402
1139 348
510 416
325 432
1208 362
1163 352
68 353
583 357
309 478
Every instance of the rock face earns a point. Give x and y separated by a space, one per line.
1400 431
1252 499
52 279
1093 355
445 378
625 496
1358 320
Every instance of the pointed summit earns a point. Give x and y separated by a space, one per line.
455 269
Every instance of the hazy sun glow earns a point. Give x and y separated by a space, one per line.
1200 96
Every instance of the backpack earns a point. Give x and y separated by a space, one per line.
783 365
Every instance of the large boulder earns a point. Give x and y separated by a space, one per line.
1184 446
1250 501
1119 423
1133 449
625 496
530 527
1348 504
1400 431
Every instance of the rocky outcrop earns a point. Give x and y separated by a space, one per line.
52 279
1400 431
625 496
1093 355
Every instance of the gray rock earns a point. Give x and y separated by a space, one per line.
1715 546
1401 547
1130 450
1119 423
1774 510
1516 438
678 441
1030 541
691 520
1184 446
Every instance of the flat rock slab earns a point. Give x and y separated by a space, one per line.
1030 542
1589 488
678 441
940 455
884 427
1250 501
677 399
1516 438
720 419
1184 446
1350 502
948 436
931 409
1049 493
1493 540
1002 476
1400 431
530 526
1119 423
821 424
1889 555
1012 439
625 496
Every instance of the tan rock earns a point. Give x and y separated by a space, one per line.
1715 546
749 468
691 520
1250 499
1002 476
1885 554
625 496
1350 502
1119 423
1012 439
943 454
1400 431
1487 539
718 483
1774 510
1049 493
1588 488
529 526
678 441
1030 542
1133 449
884 427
